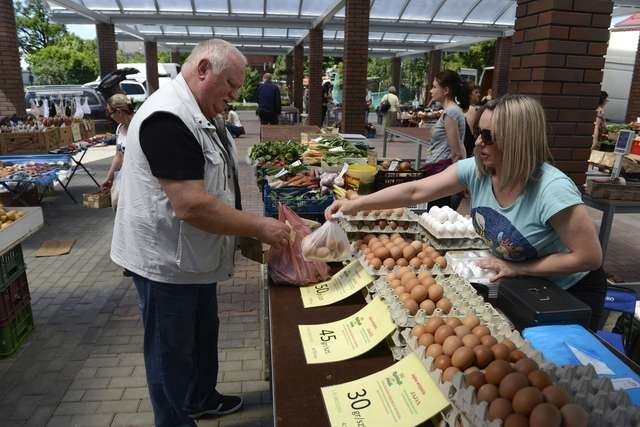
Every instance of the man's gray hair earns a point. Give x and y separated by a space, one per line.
218 52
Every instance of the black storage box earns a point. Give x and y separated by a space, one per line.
532 301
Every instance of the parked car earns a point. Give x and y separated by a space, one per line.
96 101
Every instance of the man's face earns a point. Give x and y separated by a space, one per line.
220 89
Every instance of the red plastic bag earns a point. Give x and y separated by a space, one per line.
287 265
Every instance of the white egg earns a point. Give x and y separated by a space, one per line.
461 229
434 210
438 228
451 229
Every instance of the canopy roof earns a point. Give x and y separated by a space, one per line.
396 28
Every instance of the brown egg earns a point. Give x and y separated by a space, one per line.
427 261
375 263
475 379
403 270
555 395
420 255
433 324
442 362
471 369
451 344
545 415
511 384
394 235
424 275
509 344
426 340
409 252
481 330
516 420
417 245
574 415
500 351
525 365
428 306
441 261
461 330
383 237
419 293
462 357
487 393
539 379
363 247
399 290
526 399
516 355
395 252
405 276
382 253
444 304
470 340
395 282
471 321
427 281
497 370
389 263
435 292
369 257
392 276
454 322
412 283
484 356
442 333
500 409
418 330
434 350
488 340
415 263
449 373
405 296
411 305
402 262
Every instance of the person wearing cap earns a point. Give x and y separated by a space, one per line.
120 110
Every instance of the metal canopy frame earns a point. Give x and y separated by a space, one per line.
396 27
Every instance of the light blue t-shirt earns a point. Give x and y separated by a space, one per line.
522 231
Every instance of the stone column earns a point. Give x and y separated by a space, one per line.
315 76
11 88
151 59
633 106
356 48
396 73
298 75
501 63
557 57
107 48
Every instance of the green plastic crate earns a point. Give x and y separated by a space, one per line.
13 334
11 266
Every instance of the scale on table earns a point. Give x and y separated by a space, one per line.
622 148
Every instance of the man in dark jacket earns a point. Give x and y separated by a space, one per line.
268 95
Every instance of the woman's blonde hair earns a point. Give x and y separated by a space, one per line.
519 131
120 102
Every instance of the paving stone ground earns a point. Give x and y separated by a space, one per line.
83 364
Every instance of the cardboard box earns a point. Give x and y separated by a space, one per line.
98 200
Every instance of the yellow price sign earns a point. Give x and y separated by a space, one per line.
401 395
344 283
349 337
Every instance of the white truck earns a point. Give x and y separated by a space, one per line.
618 72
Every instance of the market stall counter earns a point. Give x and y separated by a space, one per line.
419 136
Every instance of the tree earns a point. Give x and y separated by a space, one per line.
478 56
379 68
35 29
71 61
251 81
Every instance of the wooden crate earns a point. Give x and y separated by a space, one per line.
30 142
66 136
606 190
87 129
98 200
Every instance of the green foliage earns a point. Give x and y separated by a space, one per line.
380 68
413 72
71 61
279 68
137 57
251 81
478 56
35 29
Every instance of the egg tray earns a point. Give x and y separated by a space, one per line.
606 407
451 244
412 228
383 271
462 262
467 234
407 215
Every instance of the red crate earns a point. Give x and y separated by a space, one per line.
14 298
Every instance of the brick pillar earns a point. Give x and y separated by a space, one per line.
151 58
435 65
289 70
315 76
107 48
356 48
11 88
174 56
396 73
633 106
557 57
501 66
298 75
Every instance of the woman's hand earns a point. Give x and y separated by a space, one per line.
107 184
501 267
345 206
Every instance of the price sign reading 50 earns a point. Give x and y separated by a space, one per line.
322 288
358 400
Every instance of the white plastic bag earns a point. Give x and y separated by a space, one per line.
328 243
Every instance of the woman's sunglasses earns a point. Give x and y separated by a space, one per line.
485 135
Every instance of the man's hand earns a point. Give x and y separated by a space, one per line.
501 267
107 184
274 233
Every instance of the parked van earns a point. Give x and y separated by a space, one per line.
618 72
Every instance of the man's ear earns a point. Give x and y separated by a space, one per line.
203 66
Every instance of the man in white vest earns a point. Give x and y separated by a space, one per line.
178 217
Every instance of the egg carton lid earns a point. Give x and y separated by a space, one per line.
407 215
350 227
465 259
452 244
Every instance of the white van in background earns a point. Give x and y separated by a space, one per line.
618 72
166 71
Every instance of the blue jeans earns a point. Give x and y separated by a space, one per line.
180 348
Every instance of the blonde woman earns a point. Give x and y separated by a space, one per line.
389 117
120 110
528 212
